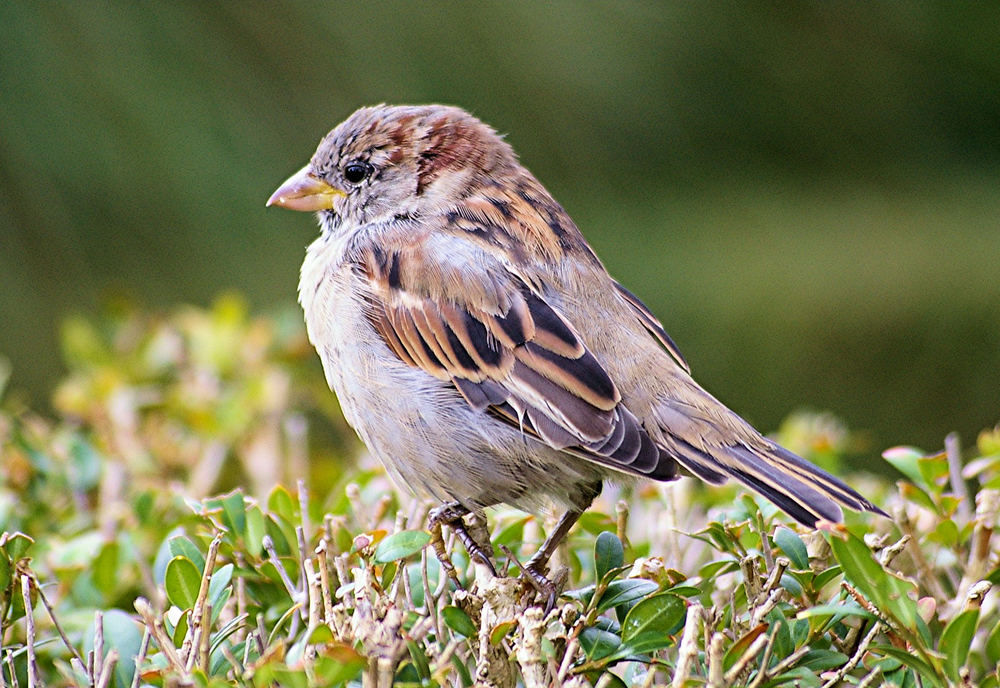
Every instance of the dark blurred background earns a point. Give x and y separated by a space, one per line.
806 193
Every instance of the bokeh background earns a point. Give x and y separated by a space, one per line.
806 193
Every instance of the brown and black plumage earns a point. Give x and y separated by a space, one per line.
479 346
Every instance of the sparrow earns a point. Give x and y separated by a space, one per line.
481 350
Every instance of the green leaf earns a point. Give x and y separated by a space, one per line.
925 671
742 645
609 553
282 534
789 583
512 534
234 513
500 631
458 621
660 614
793 547
888 592
106 572
182 546
181 628
821 660
598 644
686 590
274 673
624 591
837 611
781 633
584 594
5 577
256 529
917 495
337 665
715 568
993 645
17 545
401 545
280 502
182 582
956 639
905 459
464 675
420 660
824 577
218 584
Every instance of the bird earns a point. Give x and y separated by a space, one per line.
481 350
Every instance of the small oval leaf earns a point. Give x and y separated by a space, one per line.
660 614
598 644
793 547
17 545
500 631
106 571
609 553
624 591
182 582
458 621
956 639
401 545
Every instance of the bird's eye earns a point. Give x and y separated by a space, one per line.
356 172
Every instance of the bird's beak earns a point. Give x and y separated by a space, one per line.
305 191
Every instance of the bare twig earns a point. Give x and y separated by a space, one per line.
687 653
108 666
29 620
888 554
303 493
855 658
55 621
748 656
870 678
78 668
98 654
164 641
987 509
272 556
9 657
953 450
324 582
141 657
716 675
198 626
764 608
781 565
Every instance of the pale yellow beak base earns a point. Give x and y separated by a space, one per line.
304 191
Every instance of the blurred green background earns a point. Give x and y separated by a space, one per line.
807 194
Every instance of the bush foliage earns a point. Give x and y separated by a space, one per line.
187 519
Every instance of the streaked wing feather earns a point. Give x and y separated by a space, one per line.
653 325
526 363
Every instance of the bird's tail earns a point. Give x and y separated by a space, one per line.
805 492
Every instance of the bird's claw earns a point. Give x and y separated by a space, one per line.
452 515
534 573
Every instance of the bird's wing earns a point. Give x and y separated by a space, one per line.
506 349
653 326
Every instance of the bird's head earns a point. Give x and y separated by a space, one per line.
386 161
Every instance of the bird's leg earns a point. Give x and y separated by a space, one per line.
437 542
536 568
452 515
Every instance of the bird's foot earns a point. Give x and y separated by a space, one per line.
534 573
453 515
